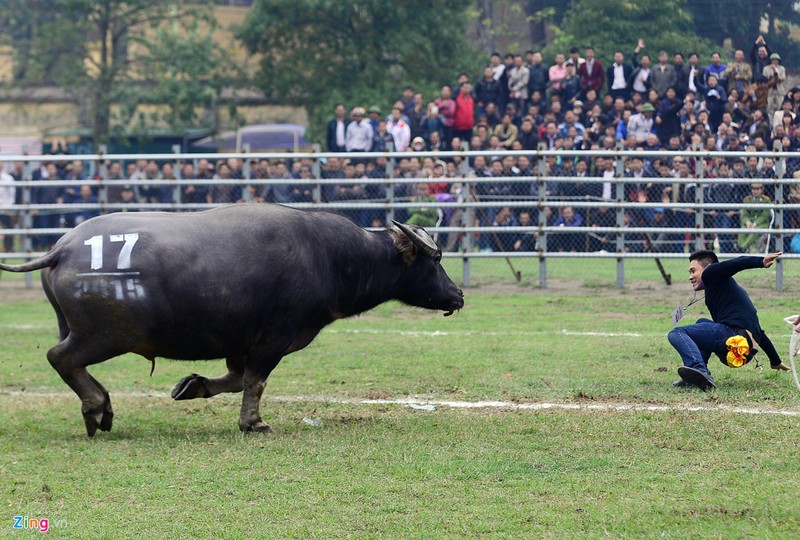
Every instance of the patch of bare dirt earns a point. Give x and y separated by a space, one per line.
15 291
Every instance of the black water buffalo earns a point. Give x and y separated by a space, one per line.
248 283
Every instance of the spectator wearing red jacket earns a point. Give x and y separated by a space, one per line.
464 118
591 73
447 110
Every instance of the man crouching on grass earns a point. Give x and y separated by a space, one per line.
734 334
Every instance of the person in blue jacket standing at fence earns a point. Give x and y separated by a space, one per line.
734 332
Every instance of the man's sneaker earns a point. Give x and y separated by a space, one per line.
680 383
696 377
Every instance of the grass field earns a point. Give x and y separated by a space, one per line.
695 468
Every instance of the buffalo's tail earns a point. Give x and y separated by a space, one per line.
48 259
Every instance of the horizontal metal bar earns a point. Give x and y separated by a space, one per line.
539 153
67 208
517 255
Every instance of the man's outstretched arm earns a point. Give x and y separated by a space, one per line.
731 267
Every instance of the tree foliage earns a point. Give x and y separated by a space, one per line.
610 25
318 52
117 51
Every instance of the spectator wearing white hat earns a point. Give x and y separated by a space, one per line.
358 137
641 124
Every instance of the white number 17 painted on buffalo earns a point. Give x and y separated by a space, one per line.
124 258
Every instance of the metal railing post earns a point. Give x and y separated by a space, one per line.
619 174
316 192
102 173
467 218
542 217
699 169
780 172
176 167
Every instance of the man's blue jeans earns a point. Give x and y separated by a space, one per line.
696 342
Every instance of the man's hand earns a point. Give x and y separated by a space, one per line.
780 367
771 258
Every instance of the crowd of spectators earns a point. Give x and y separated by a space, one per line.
670 102
518 102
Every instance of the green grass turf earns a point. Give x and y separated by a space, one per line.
182 470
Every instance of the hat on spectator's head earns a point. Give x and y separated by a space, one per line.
418 141
775 56
358 111
569 63
577 103
374 109
659 211
511 106
648 107
440 163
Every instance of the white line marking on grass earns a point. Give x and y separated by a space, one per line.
602 334
537 406
28 326
438 333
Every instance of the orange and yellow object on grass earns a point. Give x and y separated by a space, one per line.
738 349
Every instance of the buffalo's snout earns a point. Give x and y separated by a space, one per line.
457 303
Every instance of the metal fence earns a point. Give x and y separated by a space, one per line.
615 204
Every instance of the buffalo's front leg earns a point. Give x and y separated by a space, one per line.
255 380
196 386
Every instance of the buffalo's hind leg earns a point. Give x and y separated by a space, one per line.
70 358
196 386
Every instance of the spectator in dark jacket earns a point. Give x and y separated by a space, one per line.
527 135
337 128
682 72
617 76
759 56
668 122
487 90
538 78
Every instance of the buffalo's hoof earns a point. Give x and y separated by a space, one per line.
99 417
191 387
256 427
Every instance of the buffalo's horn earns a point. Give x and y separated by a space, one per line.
423 242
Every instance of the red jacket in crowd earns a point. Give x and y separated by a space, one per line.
465 112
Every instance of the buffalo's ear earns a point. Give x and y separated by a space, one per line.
403 244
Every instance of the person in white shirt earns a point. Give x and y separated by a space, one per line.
399 130
8 195
358 137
